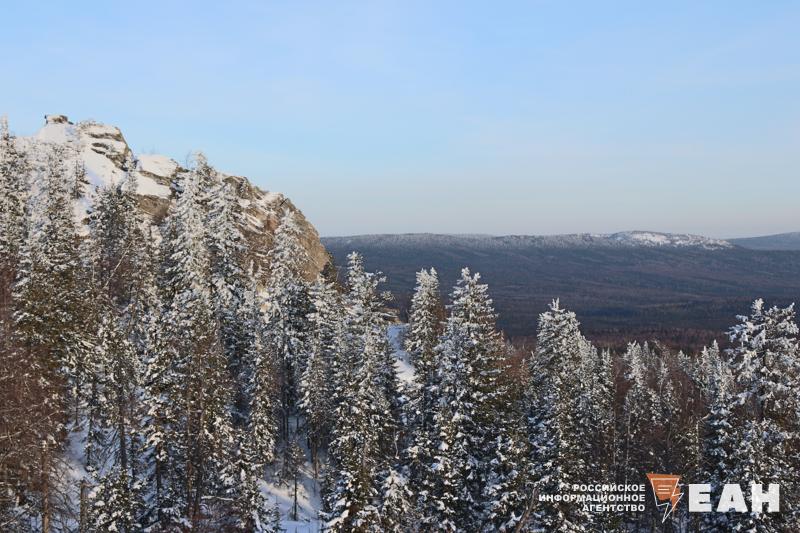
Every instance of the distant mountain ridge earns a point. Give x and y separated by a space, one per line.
621 239
780 241
624 286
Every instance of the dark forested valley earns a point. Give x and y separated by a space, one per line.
684 294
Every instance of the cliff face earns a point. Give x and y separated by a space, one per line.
103 151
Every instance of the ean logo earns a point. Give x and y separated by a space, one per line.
666 492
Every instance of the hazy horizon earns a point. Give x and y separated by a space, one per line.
530 118
735 237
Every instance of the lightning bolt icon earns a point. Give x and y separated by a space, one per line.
666 492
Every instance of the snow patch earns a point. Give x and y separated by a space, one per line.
149 187
158 165
404 366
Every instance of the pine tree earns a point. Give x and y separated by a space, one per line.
226 250
508 488
356 453
120 275
16 388
257 436
117 503
262 385
367 337
294 458
638 414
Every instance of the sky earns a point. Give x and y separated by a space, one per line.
448 117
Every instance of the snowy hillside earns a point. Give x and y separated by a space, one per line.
647 239
104 154
781 241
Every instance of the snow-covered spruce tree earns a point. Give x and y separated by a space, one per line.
666 431
449 504
560 448
190 424
356 451
602 399
295 458
638 415
257 436
48 332
120 271
316 383
508 491
366 323
14 186
228 280
704 370
113 423
717 445
398 509
472 406
14 414
767 430
262 389
425 325
116 503
287 309
365 399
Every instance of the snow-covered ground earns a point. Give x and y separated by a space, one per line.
405 370
308 495
281 492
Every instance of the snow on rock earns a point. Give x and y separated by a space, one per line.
104 153
149 187
56 132
677 240
157 165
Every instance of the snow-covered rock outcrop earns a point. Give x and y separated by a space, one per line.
103 151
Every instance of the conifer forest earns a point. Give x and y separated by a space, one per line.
164 374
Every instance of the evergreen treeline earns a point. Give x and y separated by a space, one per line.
151 375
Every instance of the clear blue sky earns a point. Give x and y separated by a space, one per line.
458 117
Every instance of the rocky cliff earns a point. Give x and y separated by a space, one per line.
103 151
